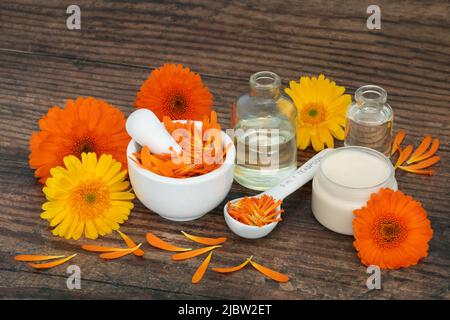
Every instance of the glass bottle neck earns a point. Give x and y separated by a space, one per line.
371 96
265 84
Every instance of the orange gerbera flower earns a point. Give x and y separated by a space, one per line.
175 92
392 231
84 125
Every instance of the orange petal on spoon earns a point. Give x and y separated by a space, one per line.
398 141
204 240
232 269
160 244
270 273
118 254
404 154
52 264
33 257
193 253
131 244
433 149
198 275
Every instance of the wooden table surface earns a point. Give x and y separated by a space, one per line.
42 64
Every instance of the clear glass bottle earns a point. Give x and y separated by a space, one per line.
370 120
265 134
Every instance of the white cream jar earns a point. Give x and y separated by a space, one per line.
344 182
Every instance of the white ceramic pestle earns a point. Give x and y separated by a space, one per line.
299 178
146 129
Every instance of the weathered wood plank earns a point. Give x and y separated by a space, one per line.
321 263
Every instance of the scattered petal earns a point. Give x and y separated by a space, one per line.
270 273
398 141
118 254
131 244
95 248
404 154
433 149
52 264
160 244
422 165
429 172
232 269
198 275
426 142
33 257
203 240
193 253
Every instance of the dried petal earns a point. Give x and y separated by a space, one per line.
33 257
433 149
131 244
52 264
233 269
404 154
160 244
420 149
270 273
398 141
422 165
204 240
193 253
198 275
95 248
118 254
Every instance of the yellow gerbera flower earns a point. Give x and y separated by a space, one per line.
321 107
87 196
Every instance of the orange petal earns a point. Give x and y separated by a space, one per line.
119 254
198 275
398 141
95 248
404 154
433 149
203 240
193 253
52 264
420 149
33 257
131 244
270 273
160 244
425 172
233 269
424 164
137 162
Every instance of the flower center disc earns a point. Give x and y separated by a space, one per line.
390 233
83 145
177 105
313 113
90 199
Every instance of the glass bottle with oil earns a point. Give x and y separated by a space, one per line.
264 134
370 120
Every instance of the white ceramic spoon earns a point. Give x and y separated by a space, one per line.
146 129
300 177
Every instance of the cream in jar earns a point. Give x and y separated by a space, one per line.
344 182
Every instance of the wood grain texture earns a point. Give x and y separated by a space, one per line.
42 64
